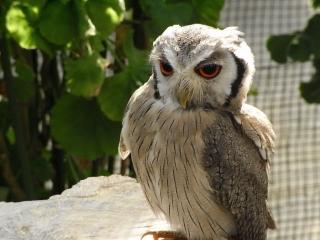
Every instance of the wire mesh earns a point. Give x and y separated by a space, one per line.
295 174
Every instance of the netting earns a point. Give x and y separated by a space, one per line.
295 178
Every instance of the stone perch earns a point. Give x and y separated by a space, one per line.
99 208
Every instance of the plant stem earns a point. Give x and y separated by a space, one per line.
95 167
15 112
7 173
110 164
58 165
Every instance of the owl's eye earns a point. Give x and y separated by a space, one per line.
166 68
209 70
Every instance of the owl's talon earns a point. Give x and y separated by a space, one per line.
164 235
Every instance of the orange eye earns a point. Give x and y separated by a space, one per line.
209 71
166 68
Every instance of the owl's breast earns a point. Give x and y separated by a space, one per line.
166 146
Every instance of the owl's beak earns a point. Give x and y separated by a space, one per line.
184 95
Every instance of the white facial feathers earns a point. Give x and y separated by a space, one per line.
185 47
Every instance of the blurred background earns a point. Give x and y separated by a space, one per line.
68 68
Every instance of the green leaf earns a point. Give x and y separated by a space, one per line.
41 166
299 48
85 75
312 31
96 43
24 83
117 89
36 3
4 119
114 95
138 66
2 20
278 47
310 91
4 193
82 129
208 10
316 64
11 135
64 1
316 3
105 14
57 22
164 15
19 23
253 91
85 27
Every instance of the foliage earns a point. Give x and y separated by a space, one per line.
69 68
301 46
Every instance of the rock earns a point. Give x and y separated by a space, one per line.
96 208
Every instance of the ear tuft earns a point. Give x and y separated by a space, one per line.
169 32
233 35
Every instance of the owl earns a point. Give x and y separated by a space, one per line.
201 154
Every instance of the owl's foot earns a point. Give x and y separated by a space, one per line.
163 235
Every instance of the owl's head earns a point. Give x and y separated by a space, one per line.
200 66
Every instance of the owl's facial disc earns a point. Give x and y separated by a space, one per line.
197 66
189 90
207 71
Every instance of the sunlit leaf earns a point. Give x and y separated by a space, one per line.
57 22
312 31
19 22
85 75
84 25
82 129
105 14
114 95
208 10
278 47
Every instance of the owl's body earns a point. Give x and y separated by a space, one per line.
201 161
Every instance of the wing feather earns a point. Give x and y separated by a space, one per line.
258 128
123 147
238 177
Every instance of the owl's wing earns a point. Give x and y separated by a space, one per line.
258 128
123 147
123 150
237 176
139 96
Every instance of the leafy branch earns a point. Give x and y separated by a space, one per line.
66 100
301 46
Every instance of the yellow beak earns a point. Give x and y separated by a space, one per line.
184 96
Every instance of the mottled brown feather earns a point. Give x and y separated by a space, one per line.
238 177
